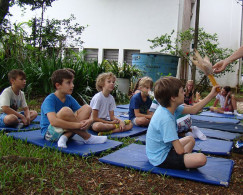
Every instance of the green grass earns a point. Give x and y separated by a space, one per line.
21 162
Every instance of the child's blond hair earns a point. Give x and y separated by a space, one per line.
100 81
188 83
146 81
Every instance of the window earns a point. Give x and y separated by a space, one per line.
90 55
111 54
128 55
70 53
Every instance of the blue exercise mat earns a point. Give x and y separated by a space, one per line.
121 110
37 119
209 146
217 171
75 145
221 115
215 119
219 126
135 131
213 133
30 127
125 106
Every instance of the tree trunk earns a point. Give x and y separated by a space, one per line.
193 76
4 7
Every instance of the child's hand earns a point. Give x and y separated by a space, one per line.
115 121
228 95
24 120
214 90
122 125
84 124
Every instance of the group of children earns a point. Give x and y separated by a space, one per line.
62 116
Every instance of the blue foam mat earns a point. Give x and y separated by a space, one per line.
125 106
209 146
213 133
214 114
215 119
31 127
134 156
37 119
229 127
75 145
135 131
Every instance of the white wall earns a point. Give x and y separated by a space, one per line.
127 24
119 24
224 18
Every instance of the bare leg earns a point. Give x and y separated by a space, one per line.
33 115
82 114
11 120
194 160
188 143
102 127
142 121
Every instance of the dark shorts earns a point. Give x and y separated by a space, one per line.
173 161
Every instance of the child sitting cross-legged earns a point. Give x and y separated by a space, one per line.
62 116
103 105
12 99
140 103
227 102
163 147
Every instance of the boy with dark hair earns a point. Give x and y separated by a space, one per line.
12 98
163 147
62 116
140 103
227 101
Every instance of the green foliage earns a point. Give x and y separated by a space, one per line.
122 71
207 45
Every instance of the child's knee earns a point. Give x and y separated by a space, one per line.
202 159
11 119
65 110
34 113
87 108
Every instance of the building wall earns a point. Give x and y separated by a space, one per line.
128 24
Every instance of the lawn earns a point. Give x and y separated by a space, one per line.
28 169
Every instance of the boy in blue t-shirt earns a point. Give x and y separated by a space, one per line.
140 103
163 147
62 116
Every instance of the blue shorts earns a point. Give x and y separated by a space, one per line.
2 116
53 133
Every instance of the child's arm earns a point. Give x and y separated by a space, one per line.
138 114
178 147
27 114
228 96
97 119
197 107
216 103
57 122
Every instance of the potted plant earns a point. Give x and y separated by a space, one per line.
125 73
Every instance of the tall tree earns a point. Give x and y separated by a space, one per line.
35 4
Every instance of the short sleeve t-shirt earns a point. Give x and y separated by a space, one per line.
221 99
137 102
103 104
53 104
9 98
162 130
